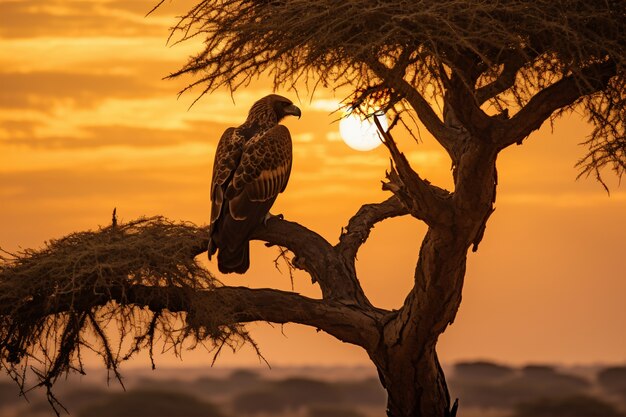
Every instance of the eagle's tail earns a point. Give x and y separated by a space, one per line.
237 260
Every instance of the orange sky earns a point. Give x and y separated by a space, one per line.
87 124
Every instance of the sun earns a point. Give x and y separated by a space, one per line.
361 133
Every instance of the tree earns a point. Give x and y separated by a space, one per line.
499 70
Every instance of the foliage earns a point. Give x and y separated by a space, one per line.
258 402
296 393
481 370
531 383
320 411
577 406
287 394
364 392
613 380
504 52
9 393
150 404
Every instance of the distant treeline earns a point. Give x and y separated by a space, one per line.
530 391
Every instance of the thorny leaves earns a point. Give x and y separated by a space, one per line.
607 143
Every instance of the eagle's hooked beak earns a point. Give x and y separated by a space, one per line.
293 110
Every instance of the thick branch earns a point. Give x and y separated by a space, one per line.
221 306
461 110
557 96
422 199
444 135
243 305
506 79
360 225
316 256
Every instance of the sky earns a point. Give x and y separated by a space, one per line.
87 123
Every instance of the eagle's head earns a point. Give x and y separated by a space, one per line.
270 110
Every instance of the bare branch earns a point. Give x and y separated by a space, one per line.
424 111
506 79
423 200
316 256
559 95
226 305
462 112
242 305
360 225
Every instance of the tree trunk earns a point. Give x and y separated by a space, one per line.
406 360
406 357
415 383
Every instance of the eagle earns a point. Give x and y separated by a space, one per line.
252 166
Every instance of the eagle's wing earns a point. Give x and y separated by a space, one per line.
262 174
227 157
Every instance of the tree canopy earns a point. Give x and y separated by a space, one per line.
507 54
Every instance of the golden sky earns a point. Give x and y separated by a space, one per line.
88 124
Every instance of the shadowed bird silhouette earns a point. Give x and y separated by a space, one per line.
252 166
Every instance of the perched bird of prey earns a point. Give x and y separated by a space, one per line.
252 166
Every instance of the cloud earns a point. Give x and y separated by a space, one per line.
145 55
325 105
41 90
18 129
32 19
428 158
117 158
334 136
563 199
304 137
25 133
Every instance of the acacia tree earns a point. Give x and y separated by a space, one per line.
499 70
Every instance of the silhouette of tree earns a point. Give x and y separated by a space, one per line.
575 406
613 380
142 403
499 70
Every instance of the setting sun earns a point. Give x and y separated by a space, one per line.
361 133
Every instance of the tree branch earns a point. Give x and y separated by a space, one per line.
360 225
506 79
461 111
558 95
422 199
242 305
443 134
209 309
316 256
143 275
313 254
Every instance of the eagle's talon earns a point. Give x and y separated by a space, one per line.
269 216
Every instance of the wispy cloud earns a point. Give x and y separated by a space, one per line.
563 199
25 134
42 90
103 52
31 18
111 158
